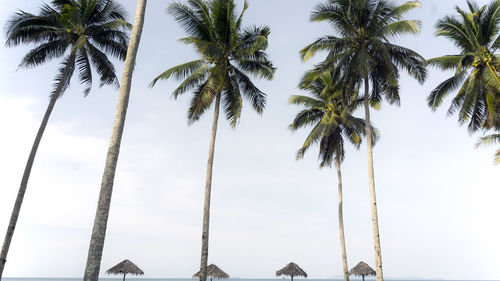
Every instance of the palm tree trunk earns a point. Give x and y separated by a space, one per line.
341 221
93 264
371 181
29 164
208 191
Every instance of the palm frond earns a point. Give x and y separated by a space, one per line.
240 18
306 101
192 81
313 137
404 8
44 52
231 101
336 14
451 28
180 71
409 60
261 69
492 78
26 28
207 49
224 20
306 117
84 70
203 97
252 40
490 22
448 62
103 65
332 44
403 27
250 91
437 95
63 77
490 140
190 20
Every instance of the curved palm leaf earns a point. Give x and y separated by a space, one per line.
490 140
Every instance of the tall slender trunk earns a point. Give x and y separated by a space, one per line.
31 160
93 264
208 191
371 181
341 221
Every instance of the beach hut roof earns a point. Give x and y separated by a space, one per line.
213 271
292 269
362 269
125 267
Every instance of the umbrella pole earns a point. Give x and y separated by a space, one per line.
363 277
292 277
124 276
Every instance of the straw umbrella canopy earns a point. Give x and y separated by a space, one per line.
213 271
125 267
292 269
362 269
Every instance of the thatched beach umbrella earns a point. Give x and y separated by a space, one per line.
213 271
291 270
125 267
362 269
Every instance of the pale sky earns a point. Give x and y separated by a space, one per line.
437 194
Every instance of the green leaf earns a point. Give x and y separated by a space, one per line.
403 27
179 72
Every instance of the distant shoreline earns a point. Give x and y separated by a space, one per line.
133 278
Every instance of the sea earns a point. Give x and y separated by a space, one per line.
133 278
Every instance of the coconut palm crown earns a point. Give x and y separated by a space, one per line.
81 31
228 53
476 35
362 46
330 115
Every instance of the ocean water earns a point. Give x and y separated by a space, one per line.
135 278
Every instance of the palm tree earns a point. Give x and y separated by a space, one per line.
476 34
93 264
83 32
491 139
330 115
227 54
364 55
